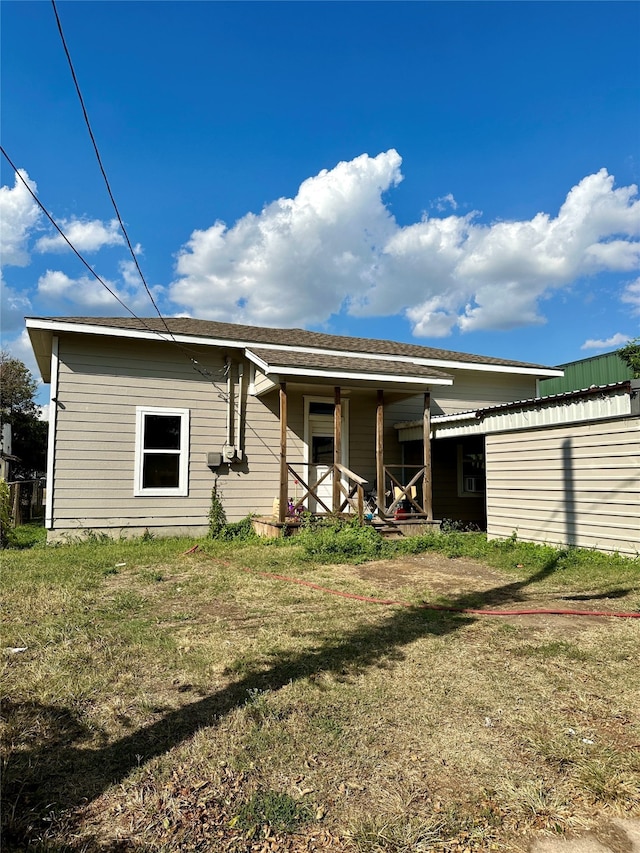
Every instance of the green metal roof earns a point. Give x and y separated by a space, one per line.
602 369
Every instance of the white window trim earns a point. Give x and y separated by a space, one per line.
183 488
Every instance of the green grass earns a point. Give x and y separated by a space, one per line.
169 698
275 809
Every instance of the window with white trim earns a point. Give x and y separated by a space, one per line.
162 451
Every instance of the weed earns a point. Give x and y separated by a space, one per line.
338 540
151 576
223 530
450 525
278 810
609 779
31 535
401 834
239 531
554 649
217 515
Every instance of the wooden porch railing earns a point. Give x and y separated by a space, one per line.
402 492
350 494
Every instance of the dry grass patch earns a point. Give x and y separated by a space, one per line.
169 701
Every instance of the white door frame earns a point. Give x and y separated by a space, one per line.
324 425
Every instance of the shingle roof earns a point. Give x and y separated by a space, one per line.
299 338
276 358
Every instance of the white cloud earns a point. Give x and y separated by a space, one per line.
62 294
445 201
299 259
14 306
336 245
129 273
85 235
19 214
616 340
631 296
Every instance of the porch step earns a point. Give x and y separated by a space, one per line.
386 528
399 528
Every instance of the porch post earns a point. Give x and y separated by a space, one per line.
380 452
337 446
284 474
427 492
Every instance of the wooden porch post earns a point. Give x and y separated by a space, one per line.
427 491
284 474
337 447
380 452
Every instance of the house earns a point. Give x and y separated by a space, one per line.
148 415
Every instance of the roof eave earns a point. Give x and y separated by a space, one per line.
56 326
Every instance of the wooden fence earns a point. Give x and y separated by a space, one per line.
27 501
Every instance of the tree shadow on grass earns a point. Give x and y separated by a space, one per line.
56 773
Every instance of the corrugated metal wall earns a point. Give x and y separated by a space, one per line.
568 485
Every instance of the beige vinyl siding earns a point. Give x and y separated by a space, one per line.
570 485
100 384
478 389
471 390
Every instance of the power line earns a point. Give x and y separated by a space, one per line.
66 239
194 363
102 169
202 371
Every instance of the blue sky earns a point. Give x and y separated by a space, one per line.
461 175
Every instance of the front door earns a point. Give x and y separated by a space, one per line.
319 443
321 463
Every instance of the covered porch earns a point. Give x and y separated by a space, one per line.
338 452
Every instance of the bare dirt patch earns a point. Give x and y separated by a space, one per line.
464 583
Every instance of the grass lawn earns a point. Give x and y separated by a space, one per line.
158 698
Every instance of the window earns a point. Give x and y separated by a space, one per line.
162 451
471 467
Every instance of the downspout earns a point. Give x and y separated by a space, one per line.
238 435
227 362
51 439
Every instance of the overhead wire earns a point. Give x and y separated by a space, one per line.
203 371
66 239
102 169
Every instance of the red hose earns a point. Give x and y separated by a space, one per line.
424 606
447 608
